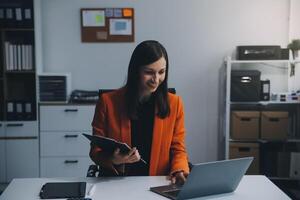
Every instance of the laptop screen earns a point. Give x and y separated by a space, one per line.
209 179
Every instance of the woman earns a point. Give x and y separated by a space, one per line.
146 117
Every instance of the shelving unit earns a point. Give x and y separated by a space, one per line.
18 98
18 116
273 155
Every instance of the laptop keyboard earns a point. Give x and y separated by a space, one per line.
173 193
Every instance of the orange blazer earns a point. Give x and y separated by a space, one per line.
168 152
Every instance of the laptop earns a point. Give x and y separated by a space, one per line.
208 179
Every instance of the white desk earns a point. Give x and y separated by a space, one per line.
251 187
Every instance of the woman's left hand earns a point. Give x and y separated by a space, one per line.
178 178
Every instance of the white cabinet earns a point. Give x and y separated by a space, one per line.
64 150
19 155
22 158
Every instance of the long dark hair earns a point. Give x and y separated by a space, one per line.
145 53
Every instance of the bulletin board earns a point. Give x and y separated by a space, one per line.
107 24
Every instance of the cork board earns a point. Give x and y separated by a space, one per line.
107 24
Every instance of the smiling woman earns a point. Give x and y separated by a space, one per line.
152 76
146 116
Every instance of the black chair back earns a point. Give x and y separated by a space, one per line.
101 91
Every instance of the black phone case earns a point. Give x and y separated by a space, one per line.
63 190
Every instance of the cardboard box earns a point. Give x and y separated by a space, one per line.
274 125
245 125
244 149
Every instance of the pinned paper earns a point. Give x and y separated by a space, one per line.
127 12
120 26
101 35
117 12
109 12
93 18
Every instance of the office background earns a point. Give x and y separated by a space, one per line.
197 35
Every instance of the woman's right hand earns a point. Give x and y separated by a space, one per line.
131 157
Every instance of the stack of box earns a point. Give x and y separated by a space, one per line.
249 126
251 149
245 126
252 125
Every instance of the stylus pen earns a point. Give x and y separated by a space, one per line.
143 161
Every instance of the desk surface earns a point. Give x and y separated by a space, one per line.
251 187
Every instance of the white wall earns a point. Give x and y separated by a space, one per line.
294 33
294 19
197 35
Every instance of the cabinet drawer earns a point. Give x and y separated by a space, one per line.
66 117
64 144
64 166
21 129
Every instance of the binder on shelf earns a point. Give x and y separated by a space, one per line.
7 55
19 111
23 57
26 56
28 111
2 17
27 14
28 17
30 57
15 52
265 90
11 57
18 14
10 110
18 17
9 17
19 56
1 13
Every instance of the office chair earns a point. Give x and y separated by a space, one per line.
95 170
101 91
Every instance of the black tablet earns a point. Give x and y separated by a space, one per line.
63 190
